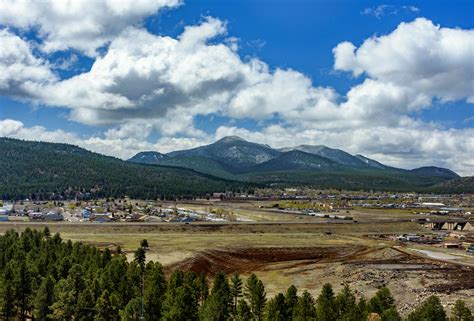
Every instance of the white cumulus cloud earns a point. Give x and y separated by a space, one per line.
78 24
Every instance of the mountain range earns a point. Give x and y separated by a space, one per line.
237 159
42 170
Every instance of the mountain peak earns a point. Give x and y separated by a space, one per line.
148 157
435 171
230 139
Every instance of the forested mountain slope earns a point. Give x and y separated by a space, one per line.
43 168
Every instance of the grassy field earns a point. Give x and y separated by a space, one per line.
254 247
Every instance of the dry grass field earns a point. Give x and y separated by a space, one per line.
285 250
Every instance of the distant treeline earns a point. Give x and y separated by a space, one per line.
45 171
45 278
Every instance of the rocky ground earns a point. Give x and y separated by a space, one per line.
410 278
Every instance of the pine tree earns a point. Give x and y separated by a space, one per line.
305 309
235 290
216 307
46 232
140 257
155 287
202 288
383 300
107 307
275 309
132 311
256 296
362 309
86 305
144 244
291 299
7 287
44 299
180 304
431 310
243 312
326 304
346 304
391 315
23 289
461 312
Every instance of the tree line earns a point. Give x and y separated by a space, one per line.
45 278
46 171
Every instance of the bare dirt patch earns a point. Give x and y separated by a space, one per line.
245 260
411 278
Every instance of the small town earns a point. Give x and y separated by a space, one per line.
236 160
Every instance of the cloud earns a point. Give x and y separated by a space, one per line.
19 68
146 83
434 61
383 10
82 25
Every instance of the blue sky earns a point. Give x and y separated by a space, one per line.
294 37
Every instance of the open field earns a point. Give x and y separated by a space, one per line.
285 250
295 248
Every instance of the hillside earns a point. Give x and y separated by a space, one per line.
233 152
317 166
435 171
336 155
44 168
296 160
457 185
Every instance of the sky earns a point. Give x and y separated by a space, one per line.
393 81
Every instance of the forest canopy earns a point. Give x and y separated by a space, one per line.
46 278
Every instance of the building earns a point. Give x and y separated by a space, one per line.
36 216
102 218
86 214
51 216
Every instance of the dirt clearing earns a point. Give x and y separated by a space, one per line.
411 278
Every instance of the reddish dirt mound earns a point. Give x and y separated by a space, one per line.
251 259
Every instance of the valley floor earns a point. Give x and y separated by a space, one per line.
304 252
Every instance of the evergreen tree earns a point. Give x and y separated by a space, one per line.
86 305
8 301
275 309
216 307
144 244
202 288
256 296
23 289
431 310
362 309
140 257
243 312
65 300
391 315
235 290
107 307
326 304
44 299
180 304
383 300
291 299
155 287
305 309
132 311
346 304
46 232
461 312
